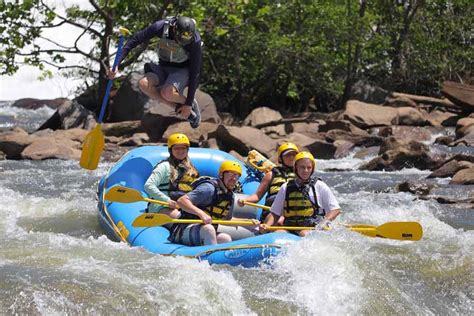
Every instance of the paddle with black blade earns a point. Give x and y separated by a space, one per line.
392 230
94 142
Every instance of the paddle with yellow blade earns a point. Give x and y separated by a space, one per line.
157 219
127 195
411 231
391 230
94 142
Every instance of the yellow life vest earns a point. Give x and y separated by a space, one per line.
298 209
179 187
182 185
280 175
222 199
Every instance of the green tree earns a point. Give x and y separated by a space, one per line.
276 53
24 22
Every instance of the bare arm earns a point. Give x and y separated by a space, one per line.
187 205
332 214
262 188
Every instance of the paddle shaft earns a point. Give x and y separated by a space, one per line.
110 81
391 230
214 221
263 207
157 219
356 229
156 201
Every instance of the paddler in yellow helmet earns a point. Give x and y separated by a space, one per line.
304 201
171 178
211 198
274 179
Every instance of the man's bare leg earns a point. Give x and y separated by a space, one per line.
148 85
171 94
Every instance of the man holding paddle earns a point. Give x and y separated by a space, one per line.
180 58
303 201
211 199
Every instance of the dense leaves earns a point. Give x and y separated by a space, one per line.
289 55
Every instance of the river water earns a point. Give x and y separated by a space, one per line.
55 260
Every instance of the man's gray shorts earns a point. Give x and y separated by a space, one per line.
178 77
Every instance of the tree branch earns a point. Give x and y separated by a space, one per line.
66 20
107 17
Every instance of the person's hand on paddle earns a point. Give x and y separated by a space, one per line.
241 202
255 221
111 74
184 111
173 204
206 218
323 225
262 228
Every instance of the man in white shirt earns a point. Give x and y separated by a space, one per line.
304 201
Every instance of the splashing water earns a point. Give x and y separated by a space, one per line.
55 259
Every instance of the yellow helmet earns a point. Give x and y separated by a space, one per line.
305 154
178 138
230 165
287 147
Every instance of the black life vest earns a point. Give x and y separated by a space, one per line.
168 49
299 209
280 175
221 203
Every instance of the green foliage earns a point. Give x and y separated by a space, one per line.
276 53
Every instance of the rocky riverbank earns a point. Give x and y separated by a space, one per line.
401 131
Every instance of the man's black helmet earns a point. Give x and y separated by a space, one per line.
185 29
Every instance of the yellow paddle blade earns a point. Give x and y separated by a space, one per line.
400 231
123 195
92 148
124 31
156 219
127 195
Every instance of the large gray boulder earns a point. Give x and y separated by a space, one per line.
129 103
33 104
13 142
365 115
262 115
464 176
70 114
396 155
460 94
245 138
59 144
197 136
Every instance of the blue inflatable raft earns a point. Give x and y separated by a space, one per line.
133 170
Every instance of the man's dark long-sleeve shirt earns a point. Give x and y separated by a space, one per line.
194 49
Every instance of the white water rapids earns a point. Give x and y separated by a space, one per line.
55 260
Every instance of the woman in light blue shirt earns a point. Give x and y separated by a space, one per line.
171 178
